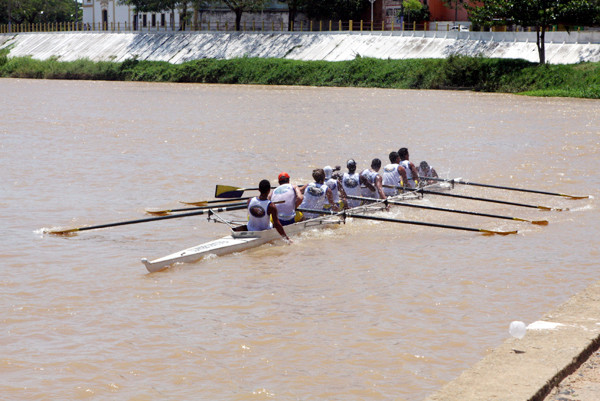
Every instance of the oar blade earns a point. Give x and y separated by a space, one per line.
198 203
494 232
157 212
540 222
62 231
575 197
227 191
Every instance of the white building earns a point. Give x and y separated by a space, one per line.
113 16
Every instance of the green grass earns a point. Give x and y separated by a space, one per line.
455 72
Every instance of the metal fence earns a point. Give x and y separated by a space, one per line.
257 26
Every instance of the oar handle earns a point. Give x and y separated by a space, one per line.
532 191
345 214
187 209
441 209
424 191
149 219
208 202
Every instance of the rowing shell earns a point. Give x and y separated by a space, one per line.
239 241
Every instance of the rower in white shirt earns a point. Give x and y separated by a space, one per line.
316 194
290 197
351 182
261 211
393 175
426 171
372 187
411 171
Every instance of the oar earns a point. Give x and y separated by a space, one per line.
122 223
227 191
164 212
418 223
441 209
208 202
424 191
533 191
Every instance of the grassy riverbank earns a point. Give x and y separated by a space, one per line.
474 73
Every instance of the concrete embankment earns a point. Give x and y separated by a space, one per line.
528 369
179 47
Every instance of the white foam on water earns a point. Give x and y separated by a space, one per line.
541 325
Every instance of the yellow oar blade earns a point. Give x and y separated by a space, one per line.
157 212
62 231
575 197
492 232
227 191
198 203
538 222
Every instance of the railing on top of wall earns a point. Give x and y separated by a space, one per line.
252 26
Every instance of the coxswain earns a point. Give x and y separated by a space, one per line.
373 181
411 171
261 212
426 171
393 175
316 194
290 197
351 182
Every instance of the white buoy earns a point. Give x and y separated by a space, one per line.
517 329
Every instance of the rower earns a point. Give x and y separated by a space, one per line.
411 171
373 180
291 198
393 175
351 183
426 171
316 193
261 211
333 182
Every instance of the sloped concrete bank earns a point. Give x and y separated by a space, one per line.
529 368
179 47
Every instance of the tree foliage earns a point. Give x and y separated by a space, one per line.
414 10
541 14
335 9
455 5
39 11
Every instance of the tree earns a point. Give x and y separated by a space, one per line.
294 7
413 10
455 5
335 9
241 6
37 11
540 14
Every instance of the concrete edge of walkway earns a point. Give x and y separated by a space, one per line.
528 369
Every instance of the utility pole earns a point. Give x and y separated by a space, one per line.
372 1
9 17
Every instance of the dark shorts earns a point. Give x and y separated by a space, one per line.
286 222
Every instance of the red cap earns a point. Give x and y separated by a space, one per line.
283 175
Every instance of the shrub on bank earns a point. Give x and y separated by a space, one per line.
455 72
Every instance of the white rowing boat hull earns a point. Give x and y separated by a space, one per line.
235 242
242 240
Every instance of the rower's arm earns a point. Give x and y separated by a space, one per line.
329 194
299 195
366 183
379 187
415 174
272 210
342 194
402 173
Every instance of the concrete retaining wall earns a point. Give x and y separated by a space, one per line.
179 47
